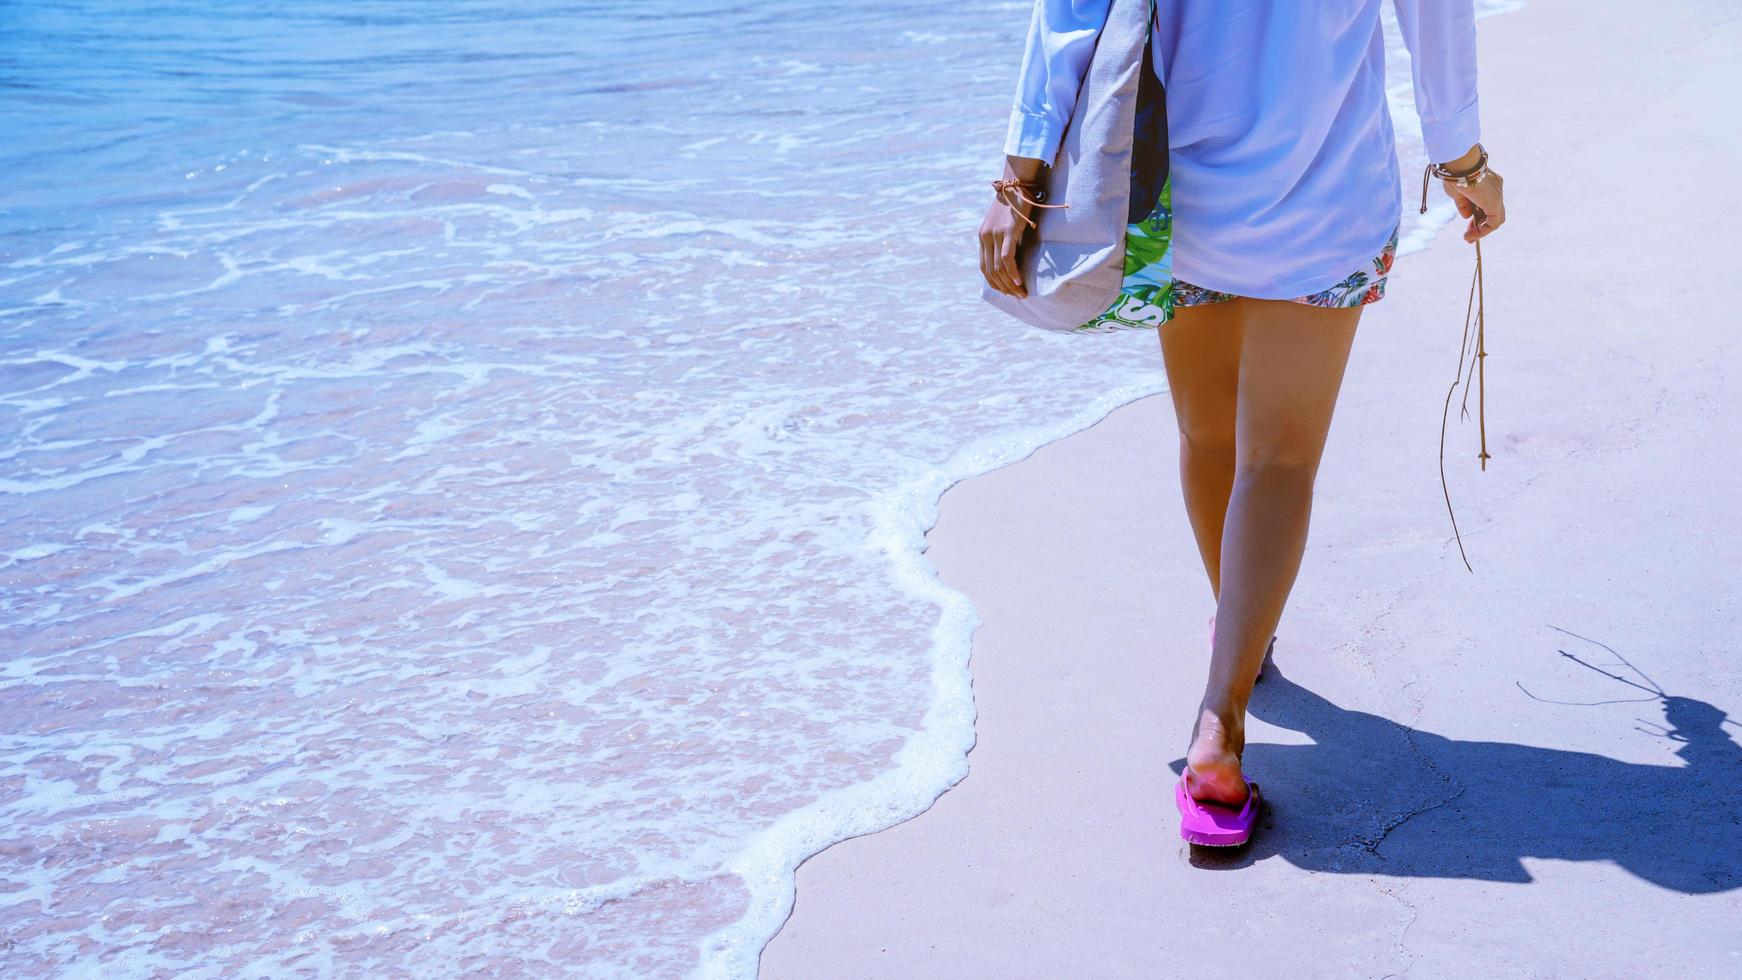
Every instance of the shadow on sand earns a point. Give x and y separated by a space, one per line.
1376 797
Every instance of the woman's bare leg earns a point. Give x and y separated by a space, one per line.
1201 348
1292 358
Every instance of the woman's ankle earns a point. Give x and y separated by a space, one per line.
1219 728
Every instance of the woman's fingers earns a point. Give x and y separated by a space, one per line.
1007 265
1000 265
1483 203
1493 216
998 259
1000 236
1489 198
1484 223
1489 222
1000 281
989 263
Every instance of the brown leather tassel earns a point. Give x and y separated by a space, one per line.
1012 191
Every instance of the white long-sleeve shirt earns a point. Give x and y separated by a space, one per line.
1283 161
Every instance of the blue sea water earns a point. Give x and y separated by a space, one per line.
464 469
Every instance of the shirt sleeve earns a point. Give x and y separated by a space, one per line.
1061 39
1441 38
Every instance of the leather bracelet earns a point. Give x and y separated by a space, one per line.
1012 191
1472 176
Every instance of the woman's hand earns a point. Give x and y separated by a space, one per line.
1001 232
1483 202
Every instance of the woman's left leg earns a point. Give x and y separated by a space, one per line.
1201 350
1292 358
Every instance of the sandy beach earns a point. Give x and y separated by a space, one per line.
1532 770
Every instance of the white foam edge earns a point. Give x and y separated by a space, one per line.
935 758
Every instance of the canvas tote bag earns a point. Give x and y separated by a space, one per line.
1105 262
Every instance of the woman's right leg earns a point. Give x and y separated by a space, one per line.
1292 359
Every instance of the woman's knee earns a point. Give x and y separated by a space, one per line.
1209 445
1297 458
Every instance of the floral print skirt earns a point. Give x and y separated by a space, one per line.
1358 288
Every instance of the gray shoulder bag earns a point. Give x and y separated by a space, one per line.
1099 256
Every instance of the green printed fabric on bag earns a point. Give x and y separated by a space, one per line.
1146 296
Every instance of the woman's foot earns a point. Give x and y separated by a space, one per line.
1213 761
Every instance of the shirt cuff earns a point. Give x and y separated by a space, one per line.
1033 135
1448 139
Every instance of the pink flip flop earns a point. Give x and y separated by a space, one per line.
1216 824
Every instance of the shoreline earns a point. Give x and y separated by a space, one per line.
1042 829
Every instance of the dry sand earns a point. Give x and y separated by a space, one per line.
1434 810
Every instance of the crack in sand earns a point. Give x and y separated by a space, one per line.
1371 843
1402 936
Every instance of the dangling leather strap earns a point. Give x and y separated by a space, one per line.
1012 192
1474 315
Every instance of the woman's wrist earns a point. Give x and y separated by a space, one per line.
1025 169
1464 164
1460 173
